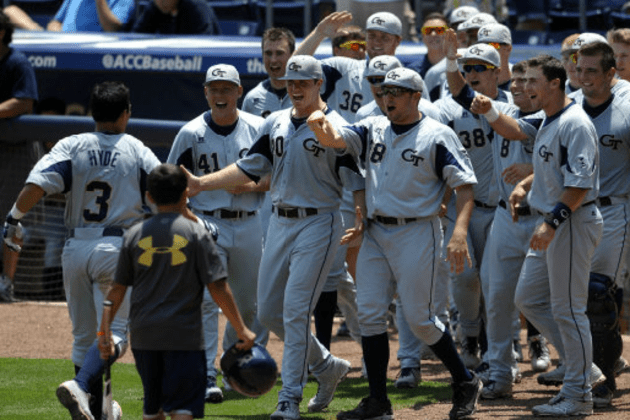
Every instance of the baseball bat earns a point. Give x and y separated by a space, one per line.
108 412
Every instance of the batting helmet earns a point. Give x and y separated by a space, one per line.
252 372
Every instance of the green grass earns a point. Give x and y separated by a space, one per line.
27 392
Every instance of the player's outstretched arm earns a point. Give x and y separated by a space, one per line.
518 195
454 78
457 249
222 295
262 186
327 28
228 177
505 126
12 230
324 131
110 308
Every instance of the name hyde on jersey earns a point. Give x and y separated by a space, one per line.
102 158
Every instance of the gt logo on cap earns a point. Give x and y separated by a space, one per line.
377 20
476 51
294 67
379 65
484 32
393 75
218 72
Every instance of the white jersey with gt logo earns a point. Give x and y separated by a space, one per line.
565 155
103 176
263 99
406 175
290 151
345 88
202 150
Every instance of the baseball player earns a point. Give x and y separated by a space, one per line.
103 176
481 65
410 347
619 40
210 142
499 37
167 260
401 209
608 111
271 94
304 232
563 189
618 87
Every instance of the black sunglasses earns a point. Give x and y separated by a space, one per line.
479 68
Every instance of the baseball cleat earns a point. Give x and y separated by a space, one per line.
602 396
6 289
465 398
213 392
116 411
408 378
286 410
369 408
564 407
470 353
328 381
483 372
75 399
496 390
552 378
621 365
517 350
539 353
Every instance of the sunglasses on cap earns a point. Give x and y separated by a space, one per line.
496 45
394 91
439 30
573 58
375 80
353 45
479 68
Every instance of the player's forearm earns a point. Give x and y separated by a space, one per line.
28 197
229 177
15 107
505 126
573 197
108 20
464 203
222 295
325 132
309 45
116 295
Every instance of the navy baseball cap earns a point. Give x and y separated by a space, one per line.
303 67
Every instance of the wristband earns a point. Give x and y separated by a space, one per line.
100 334
108 303
15 213
492 115
558 215
451 65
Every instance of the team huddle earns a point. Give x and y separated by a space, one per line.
461 186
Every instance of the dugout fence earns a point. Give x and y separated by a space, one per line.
39 275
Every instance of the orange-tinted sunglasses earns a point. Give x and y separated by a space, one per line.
573 58
496 45
439 30
353 45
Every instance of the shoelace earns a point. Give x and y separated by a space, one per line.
284 405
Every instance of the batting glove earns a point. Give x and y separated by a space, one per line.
12 229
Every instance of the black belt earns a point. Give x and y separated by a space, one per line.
604 201
520 210
108 231
484 205
394 220
229 214
293 212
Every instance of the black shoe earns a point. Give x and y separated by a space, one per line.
465 397
369 409
343 330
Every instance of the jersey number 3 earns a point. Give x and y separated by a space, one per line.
101 200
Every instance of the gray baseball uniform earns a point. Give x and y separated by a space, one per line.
103 176
304 234
203 147
565 155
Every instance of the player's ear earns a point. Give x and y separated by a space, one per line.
240 91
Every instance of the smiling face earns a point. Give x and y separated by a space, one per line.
517 88
381 43
433 41
304 95
594 81
275 57
484 82
622 59
222 97
537 87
